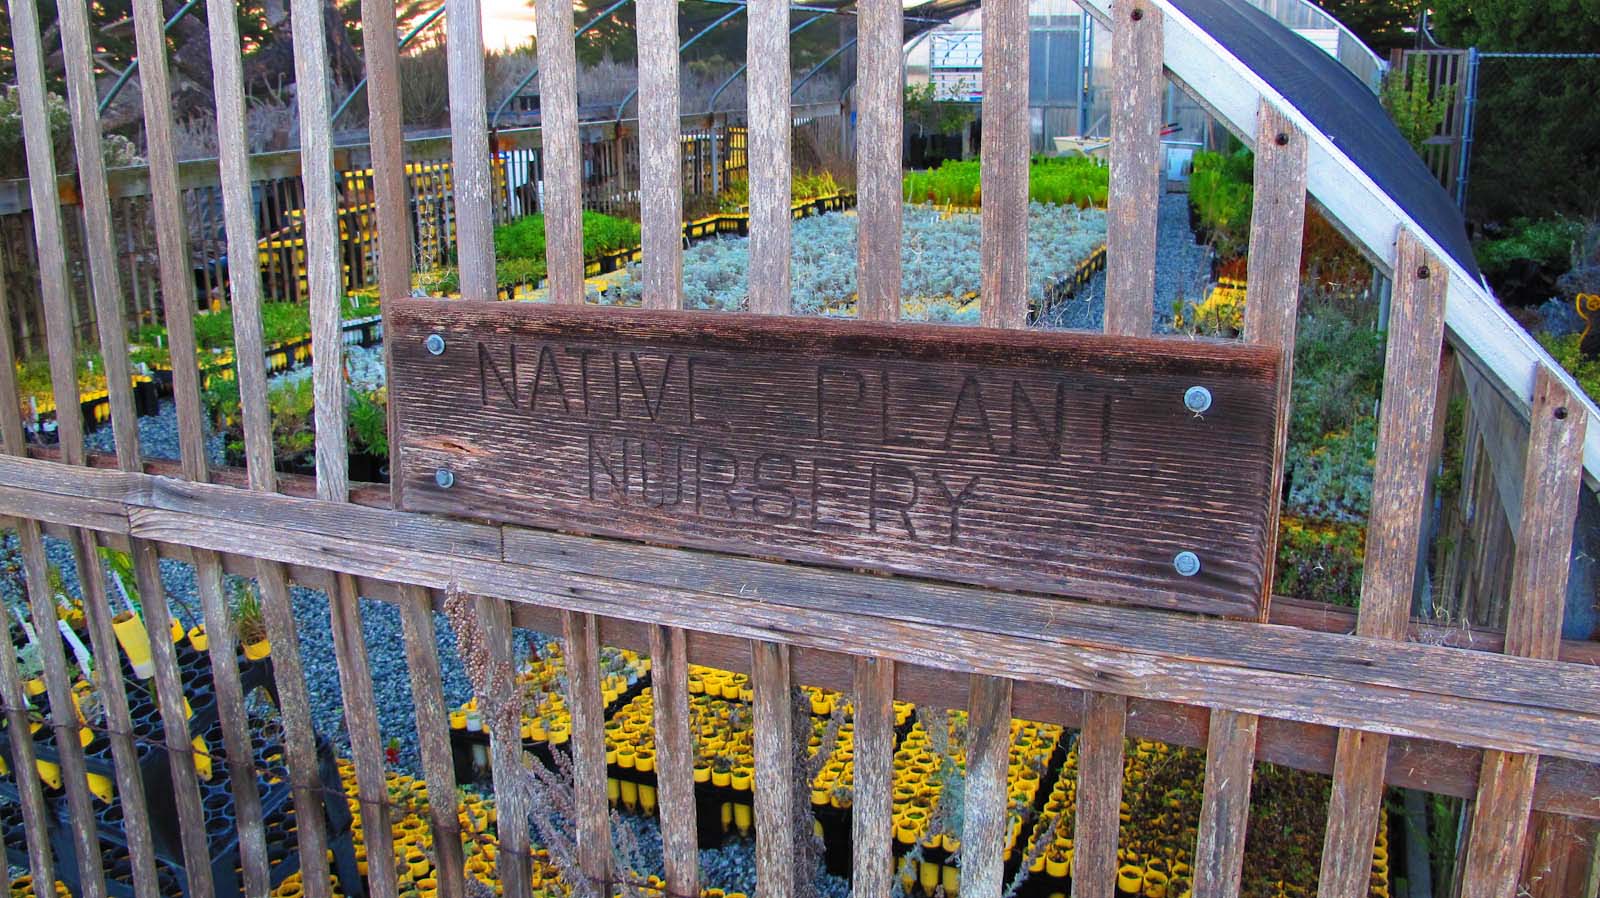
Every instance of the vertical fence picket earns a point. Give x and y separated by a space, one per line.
661 154
669 673
512 802
767 91
871 808
1135 190
433 737
563 185
366 745
771 683
1276 227
469 149
1551 486
586 702
987 796
881 112
1004 165
30 794
1394 536
1100 755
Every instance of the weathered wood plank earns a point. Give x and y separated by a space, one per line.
1277 224
771 682
321 229
433 738
1135 191
244 282
505 747
558 112
104 279
988 751
584 699
170 701
299 737
1094 838
880 105
1051 461
872 823
366 745
661 154
471 183
385 130
1225 808
1004 175
674 759
1394 536
1551 486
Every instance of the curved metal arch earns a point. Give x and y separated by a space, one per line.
411 35
528 79
741 69
820 66
127 74
682 47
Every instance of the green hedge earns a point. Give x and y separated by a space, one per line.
519 246
1064 181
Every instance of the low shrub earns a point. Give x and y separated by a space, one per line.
524 238
1061 181
1320 561
1221 192
1546 242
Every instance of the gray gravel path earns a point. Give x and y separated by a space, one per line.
1183 274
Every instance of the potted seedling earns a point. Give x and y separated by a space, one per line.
249 622
721 771
129 624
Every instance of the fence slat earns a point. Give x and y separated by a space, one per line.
469 148
880 105
1135 190
41 860
587 704
505 749
1094 838
244 280
1004 164
299 736
563 177
1276 228
871 809
1551 486
986 816
660 153
767 91
320 223
1225 807
771 683
433 737
174 717
366 745
669 672
1394 536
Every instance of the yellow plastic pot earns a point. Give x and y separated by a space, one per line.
952 880
613 789
1130 879
702 774
721 778
647 799
630 793
741 818
100 786
202 758
35 686
135 641
50 773
626 758
644 761
741 780
197 637
1155 883
259 649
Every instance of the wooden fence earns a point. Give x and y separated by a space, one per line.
1512 721
713 156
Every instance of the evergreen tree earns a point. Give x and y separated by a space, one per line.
1381 24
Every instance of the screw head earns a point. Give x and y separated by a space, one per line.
1423 273
1197 399
1186 563
434 344
1136 15
1282 139
444 478
1561 413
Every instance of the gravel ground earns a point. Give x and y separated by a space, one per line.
1183 273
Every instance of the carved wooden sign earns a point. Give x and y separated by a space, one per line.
1053 462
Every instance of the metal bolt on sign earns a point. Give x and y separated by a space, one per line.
1186 563
446 478
434 344
1197 399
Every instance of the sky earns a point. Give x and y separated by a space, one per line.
506 23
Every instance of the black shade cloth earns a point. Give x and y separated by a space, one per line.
1340 106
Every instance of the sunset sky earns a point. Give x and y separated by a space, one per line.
506 23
